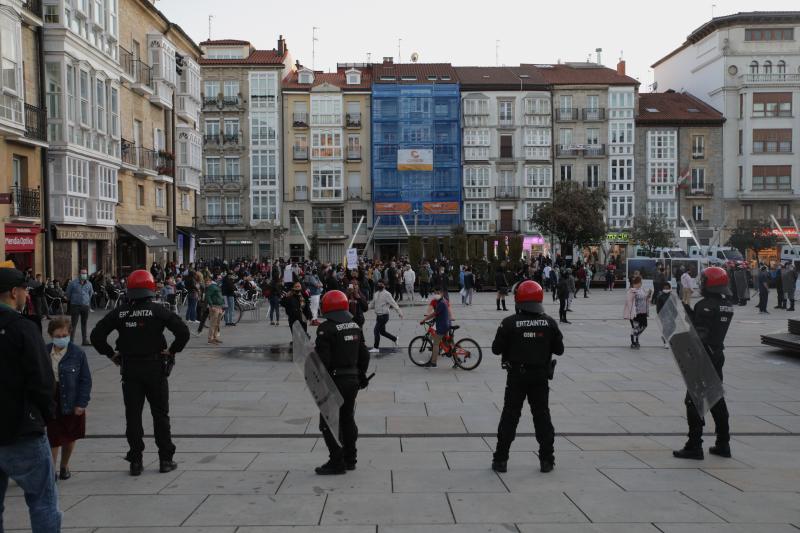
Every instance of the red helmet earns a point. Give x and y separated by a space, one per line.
529 296
714 280
141 285
334 301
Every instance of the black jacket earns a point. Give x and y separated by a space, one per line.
229 286
27 385
140 325
529 339
341 345
294 309
711 318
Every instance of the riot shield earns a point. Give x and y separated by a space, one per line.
702 382
742 289
324 391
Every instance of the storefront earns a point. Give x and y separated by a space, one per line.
534 245
138 246
21 245
187 242
79 247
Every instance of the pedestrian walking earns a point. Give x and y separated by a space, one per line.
409 278
26 394
382 302
501 284
192 285
526 342
469 285
789 285
72 392
145 362
687 287
79 295
314 287
275 289
562 288
636 310
572 289
781 295
296 305
229 294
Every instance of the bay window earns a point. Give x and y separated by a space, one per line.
326 144
264 205
477 216
11 89
264 168
326 183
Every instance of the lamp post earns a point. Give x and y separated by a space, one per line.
416 215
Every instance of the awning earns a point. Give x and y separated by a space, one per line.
150 237
188 230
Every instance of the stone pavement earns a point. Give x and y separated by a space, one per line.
247 438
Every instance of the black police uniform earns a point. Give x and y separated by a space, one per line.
141 325
340 346
711 318
527 342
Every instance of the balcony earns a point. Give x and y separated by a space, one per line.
224 220
327 195
592 114
210 101
508 226
126 62
480 153
25 203
772 147
230 101
33 6
230 138
506 192
145 161
35 123
228 179
594 150
477 193
128 153
594 184
142 78
701 223
780 78
211 138
165 163
354 193
300 120
699 192
566 114
328 229
567 150
539 192
537 153
300 153
476 226
354 153
505 122
353 120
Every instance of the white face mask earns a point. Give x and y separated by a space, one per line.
437 296
666 291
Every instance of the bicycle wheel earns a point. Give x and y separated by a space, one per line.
237 313
467 354
420 350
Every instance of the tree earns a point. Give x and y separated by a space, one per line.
756 235
574 216
313 253
652 232
515 249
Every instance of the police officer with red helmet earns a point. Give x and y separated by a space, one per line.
527 341
711 318
340 346
142 353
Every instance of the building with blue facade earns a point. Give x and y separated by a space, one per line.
416 152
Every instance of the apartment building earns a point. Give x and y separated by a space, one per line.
241 186
507 148
416 152
23 136
161 145
747 65
679 164
326 132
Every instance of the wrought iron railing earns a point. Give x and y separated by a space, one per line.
35 122
26 202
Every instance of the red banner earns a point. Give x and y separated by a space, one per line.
21 238
392 208
440 208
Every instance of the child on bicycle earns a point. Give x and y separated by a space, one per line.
441 315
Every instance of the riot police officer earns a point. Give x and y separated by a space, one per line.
340 346
711 318
527 341
145 364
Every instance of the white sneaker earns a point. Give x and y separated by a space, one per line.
374 350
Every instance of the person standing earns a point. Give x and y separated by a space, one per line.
314 287
687 287
72 393
424 280
79 295
341 348
27 386
37 288
409 278
275 289
763 289
145 363
229 294
573 290
562 291
636 310
789 285
501 284
711 318
526 342
469 285
779 287
296 305
659 279
214 302
441 315
382 302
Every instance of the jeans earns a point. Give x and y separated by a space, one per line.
380 330
29 463
533 386
468 296
230 302
191 307
76 311
143 379
275 308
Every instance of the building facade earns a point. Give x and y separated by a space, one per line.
241 187
679 164
747 66
23 137
161 143
416 152
326 132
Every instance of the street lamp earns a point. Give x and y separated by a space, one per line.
416 214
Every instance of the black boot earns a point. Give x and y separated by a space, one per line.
331 468
498 305
689 453
546 465
500 466
136 468
504 306
722 450
167 466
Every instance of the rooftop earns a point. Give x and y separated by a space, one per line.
224 42
676 108
580 74
389 72
511 78
275 57
338 79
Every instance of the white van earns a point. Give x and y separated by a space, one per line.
718 255
662 253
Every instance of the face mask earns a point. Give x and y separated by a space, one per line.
60 342
666 291
437 296
84 277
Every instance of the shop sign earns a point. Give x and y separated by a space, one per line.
440 208
617 237
20 243
83 235
5 198
415 159
392 208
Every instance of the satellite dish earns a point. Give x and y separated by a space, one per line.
414 57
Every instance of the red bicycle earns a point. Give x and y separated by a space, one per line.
466 353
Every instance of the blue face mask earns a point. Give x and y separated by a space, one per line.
60 342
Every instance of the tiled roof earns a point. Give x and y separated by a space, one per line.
674 108
444 72
498 78
339 79
584 74
223 42
256 57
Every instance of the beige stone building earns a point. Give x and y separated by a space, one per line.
326 131
23 136
161 144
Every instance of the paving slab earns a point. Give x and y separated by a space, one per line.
451 481
750 507
387 509
587 528
492 508
445 444
359 481
306 529
627 507
254 510
225 482
455 528
528 480
664 479
726 528
164 530
132 510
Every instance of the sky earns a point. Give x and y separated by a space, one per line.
462 32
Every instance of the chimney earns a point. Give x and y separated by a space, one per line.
621 67
281 45
599 51
388 60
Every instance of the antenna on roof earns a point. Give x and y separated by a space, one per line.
369 57
399 57
712 10
209 26
497 53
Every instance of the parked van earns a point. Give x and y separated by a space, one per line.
718 255
662 253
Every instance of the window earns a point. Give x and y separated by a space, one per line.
621 132
326 183
665 208
8 108
114 92
621 169
767 68
506 112
697 213
160 198
356 218
476 176
754 67
741 141
566 172
295 217
213 209
772 177
507 146
565 137
77 176
326 144
212 166
592 136
353 78
86 119
263 89
232 167
772 141
565 103
620 99
211 89
264 168
474 106
741 105
538 180
621 206
748 211
741 178
772 104
698 179
107 183
477 216
353 114
593 176
784 211
769 34
230 89
537 106
698 147
265 205
100 105
326 111
231 127
476 137
354 147
185 202
140 195
232 208
10 62
781 67
263 129
75 207
536 137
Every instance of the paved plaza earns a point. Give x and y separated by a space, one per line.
248 441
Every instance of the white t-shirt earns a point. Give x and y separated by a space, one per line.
687 281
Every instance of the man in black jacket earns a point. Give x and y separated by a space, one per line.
27 389
297 306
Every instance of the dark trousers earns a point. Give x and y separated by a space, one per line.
719 412
81 311
380 330
763 296
144 379
424 288
534 387
562 308
345 449
781 299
